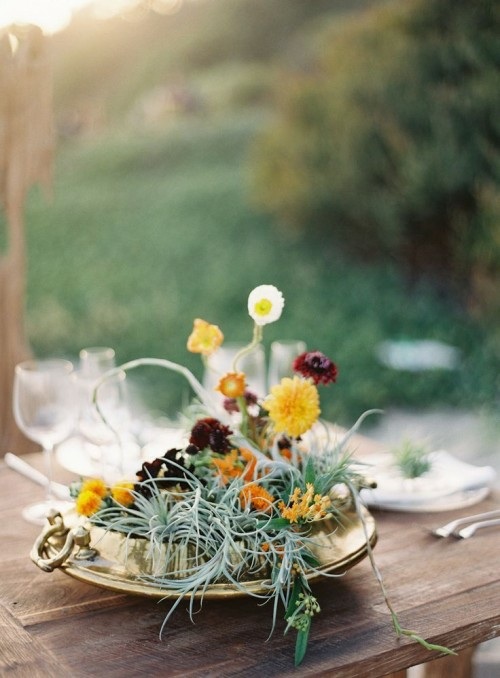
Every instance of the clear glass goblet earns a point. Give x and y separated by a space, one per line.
45 408
253 364
281 358
105 439
95 361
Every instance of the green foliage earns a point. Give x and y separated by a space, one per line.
392 146
146 233
299 619
102 68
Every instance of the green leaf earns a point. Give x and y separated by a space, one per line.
273 524
301 644
310 472
310 559
296 591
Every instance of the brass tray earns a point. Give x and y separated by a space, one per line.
107 559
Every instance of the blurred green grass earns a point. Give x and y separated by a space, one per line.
147 231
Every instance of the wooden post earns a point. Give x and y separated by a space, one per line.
26 149
459 666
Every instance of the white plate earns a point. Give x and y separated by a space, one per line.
447 503
450 484
110 462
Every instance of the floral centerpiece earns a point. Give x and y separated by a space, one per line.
243 499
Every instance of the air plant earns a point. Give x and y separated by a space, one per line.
412 459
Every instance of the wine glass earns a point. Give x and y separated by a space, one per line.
253 364
104 430
108 428
44 406
281 358
95 361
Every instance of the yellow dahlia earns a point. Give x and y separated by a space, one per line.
205 338
293 406
121 493
88 503
95 485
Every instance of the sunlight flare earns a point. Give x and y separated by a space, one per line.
50 15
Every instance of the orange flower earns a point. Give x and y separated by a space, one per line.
121 493
229 467
205 338
232 385
251 460
88 503
232 466
286 453
95 485
256 497
305 506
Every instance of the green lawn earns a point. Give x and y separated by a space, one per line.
144 233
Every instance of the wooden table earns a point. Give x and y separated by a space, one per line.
55 626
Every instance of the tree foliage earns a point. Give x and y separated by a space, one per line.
391 146
113 61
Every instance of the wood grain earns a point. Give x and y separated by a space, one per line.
22 655
26 149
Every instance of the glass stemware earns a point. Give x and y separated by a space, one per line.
253 364
107 446
44 403
281 358
94 362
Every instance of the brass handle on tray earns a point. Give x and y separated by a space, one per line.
78 536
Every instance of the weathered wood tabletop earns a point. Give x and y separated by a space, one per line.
54 626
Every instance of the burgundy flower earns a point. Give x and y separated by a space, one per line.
150 469
231 404
209 432
170 466
317 366
284 443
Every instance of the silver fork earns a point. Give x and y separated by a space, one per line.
451 527
468 531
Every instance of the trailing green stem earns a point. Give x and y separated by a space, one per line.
198 389
400 631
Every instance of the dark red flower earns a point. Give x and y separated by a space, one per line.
161 470
284 443
231 404
209 432
150 469
316 366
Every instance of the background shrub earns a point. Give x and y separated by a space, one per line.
391 146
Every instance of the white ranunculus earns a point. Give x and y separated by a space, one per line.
265 304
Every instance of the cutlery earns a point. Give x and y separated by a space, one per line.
451 527
17 464
468 531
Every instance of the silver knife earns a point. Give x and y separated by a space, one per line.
17 464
